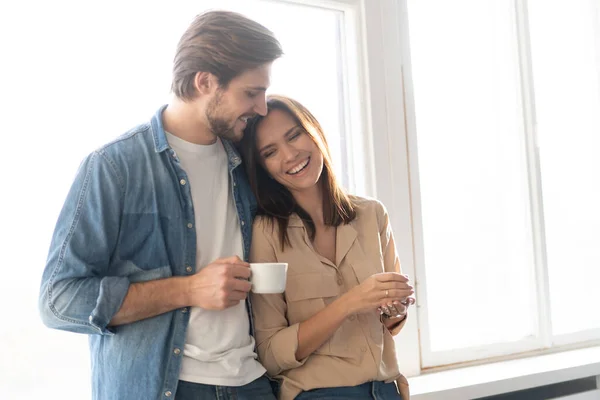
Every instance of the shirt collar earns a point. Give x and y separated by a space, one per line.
161 144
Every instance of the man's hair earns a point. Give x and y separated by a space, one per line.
274 200
224 43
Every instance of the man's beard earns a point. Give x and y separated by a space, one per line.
219 126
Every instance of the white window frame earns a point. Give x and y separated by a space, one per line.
410 229
590 336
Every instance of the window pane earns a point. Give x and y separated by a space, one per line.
472 173
310 70
565 66
81 73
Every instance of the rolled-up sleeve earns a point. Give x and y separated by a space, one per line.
277 341
78 293
391 260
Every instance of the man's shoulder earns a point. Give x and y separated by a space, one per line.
131 153
128 142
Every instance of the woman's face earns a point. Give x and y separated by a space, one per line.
287 152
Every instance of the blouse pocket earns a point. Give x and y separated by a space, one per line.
306 294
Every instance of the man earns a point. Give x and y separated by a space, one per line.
147 254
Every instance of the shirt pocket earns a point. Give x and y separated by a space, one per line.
143 240
308 293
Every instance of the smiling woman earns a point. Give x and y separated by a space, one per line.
287 160
343 266
289 153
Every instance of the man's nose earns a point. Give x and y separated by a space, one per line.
261 105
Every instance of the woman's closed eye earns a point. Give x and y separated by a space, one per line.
295 135
268 153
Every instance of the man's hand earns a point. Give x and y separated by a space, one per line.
221 284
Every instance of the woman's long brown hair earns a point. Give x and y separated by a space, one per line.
274 200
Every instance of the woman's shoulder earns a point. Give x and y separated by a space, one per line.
370 212
368 205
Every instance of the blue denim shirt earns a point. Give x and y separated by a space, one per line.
128 219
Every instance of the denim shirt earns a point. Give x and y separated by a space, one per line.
127 218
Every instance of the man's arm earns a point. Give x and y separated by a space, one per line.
219 285
148 299
76 294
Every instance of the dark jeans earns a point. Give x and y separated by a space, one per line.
260 389
369 390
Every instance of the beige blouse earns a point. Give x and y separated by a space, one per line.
362 349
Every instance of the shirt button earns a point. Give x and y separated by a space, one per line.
189 225
184 310
243 223
363 349
340 281
188 269
234 184
176 352
168 393
182 181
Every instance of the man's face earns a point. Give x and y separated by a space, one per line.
229 109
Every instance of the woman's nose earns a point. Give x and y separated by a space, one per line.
289 153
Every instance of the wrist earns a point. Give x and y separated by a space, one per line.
343 306
187 291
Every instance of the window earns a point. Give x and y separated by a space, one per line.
566 76
507 113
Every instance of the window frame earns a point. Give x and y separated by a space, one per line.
543 340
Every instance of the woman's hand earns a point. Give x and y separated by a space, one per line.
396 308
378 289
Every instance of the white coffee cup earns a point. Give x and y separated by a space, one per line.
268 277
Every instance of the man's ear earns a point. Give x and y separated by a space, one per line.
205 83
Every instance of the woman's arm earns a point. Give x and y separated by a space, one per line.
281 346
391 263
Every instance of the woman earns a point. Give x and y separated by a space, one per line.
324 337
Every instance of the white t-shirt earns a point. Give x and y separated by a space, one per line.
219 349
